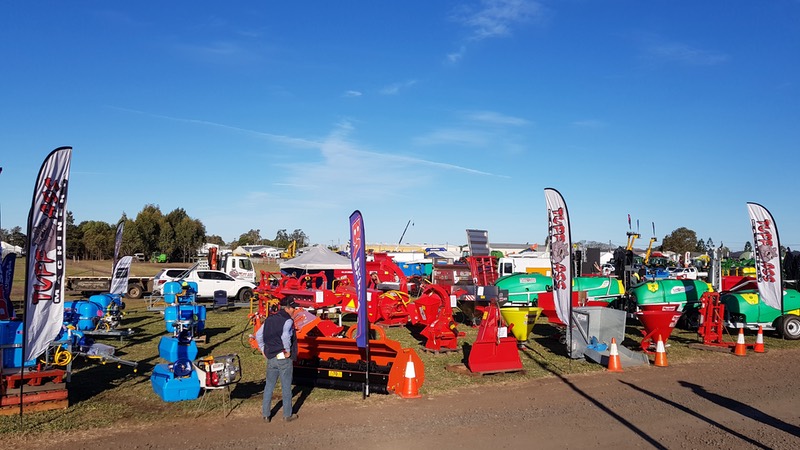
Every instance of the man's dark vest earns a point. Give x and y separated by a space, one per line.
273 328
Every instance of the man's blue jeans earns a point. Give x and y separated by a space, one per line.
278 368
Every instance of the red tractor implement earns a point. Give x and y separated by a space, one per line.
494 351
434 311
338 363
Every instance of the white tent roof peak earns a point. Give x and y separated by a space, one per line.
317 258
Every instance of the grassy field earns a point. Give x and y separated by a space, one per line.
107 395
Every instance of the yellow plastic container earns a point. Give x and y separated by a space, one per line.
523 318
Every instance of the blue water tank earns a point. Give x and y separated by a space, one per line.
171 388
103 300
171 349
83 314
11 338
193 316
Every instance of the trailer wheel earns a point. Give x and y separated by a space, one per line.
245 295
135 291
790 327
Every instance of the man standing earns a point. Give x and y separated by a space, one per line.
278 343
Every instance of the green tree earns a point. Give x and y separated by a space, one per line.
148 228
75 247
299 236
189 235
680 241
98 239
252 237
214 239
17 237
709 243
748 247
131 240
282 239
166 239
701 246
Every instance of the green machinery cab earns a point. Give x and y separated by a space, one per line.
745 309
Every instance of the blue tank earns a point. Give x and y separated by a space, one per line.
174 383
82 314
11 338
173 349
191 316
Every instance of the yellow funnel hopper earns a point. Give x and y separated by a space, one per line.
523 318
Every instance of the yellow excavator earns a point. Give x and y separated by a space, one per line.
632 237
650 246
291 251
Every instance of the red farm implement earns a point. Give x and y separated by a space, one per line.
434 312
338 363
494 351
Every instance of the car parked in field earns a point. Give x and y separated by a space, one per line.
209 281
165 275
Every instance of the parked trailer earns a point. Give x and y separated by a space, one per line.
88 286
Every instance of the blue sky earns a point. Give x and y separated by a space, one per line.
455 115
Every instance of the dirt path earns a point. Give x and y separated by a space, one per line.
720 402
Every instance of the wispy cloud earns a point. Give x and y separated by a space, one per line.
453 136
589 123
496 18
217 52
352 94
394 89
340 155
295 142
680 53
495 118
455 57
479 130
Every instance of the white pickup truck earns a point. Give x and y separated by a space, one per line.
209 281
687 273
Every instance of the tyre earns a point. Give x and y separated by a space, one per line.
245 295
135 291
790 327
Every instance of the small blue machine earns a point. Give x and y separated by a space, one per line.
100 312
176 380
182 313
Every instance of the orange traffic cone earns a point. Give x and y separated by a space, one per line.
741 348
759 347
410 388
661 354
614 364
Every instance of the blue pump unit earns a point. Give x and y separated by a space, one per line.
182 312
86 314
176 380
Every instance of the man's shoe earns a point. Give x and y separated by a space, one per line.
267 419
290 418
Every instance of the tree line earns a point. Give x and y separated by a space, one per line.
174 234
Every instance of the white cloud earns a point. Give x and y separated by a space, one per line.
294 142
455 57
495 118
496 18
473 138
676 52
589 123
394 89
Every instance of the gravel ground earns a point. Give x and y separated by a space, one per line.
718 402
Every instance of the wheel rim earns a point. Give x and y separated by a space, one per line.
792 327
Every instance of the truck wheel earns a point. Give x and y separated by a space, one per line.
135 291
245 295
790 327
